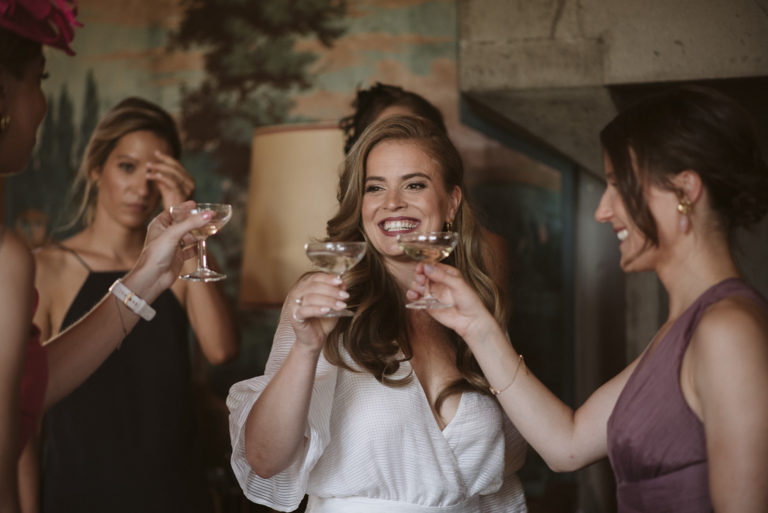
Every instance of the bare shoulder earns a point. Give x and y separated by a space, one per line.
733 321
50 257
731 337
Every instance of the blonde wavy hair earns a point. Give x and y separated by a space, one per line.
376 337
130 115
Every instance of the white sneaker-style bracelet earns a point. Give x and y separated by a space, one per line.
132 301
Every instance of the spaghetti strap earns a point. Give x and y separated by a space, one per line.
62 246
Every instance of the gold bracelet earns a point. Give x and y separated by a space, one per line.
520 363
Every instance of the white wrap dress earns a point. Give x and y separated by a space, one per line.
374 448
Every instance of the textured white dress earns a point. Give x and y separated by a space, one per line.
374 448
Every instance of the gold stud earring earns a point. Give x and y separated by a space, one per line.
5 122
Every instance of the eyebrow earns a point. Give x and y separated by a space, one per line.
405 177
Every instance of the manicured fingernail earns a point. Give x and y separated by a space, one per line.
337 280
344 294
341 304
207 214
325 309
428 269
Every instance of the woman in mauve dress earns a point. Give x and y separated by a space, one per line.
685 425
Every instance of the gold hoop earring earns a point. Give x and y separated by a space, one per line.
5 122
448 226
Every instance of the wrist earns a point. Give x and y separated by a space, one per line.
143 284
481 329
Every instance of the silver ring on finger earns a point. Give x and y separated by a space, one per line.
299 301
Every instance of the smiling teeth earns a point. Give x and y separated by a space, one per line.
622 234
396 226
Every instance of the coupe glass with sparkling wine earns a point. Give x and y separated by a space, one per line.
428 248
222 212
336 258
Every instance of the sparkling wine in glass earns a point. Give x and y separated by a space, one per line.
222 212
336 258
428 248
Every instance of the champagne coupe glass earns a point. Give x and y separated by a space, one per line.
428 248
222 212
335 258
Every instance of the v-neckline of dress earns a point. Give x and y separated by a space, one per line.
425 402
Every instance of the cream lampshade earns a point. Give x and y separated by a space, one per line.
292 194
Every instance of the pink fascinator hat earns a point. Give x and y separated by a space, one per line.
49 22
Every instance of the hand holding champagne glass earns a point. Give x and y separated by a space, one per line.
335 258
222 213
428 248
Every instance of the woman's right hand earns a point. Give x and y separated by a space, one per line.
315 294
467 315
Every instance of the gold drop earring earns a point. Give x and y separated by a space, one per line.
5 122
684 207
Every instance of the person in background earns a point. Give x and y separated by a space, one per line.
685 425
137 408
384 100
386 410
32 376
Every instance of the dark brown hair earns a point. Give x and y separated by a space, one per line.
371 102
17 52
377 336
688 128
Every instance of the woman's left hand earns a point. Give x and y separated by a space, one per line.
175 184
467 314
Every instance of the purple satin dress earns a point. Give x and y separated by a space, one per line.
656 443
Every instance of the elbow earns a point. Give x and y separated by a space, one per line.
568 464
259 465
223 354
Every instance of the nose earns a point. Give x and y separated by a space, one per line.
141 185
604 211
394 199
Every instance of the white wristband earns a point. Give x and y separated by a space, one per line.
132 301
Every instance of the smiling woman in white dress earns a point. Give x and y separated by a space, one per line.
386 410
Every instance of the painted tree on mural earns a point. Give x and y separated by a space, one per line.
252 68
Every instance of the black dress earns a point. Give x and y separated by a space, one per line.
126 440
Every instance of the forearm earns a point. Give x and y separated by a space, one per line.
213 320
274 430
77 352
29 476
549 425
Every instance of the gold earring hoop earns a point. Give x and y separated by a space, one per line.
448 226
684 206
5 122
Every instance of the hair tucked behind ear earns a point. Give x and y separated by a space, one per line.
377 336
689 128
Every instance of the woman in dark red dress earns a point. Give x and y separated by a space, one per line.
32 376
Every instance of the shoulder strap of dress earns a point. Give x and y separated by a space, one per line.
79 258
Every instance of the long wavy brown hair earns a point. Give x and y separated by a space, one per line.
376 337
